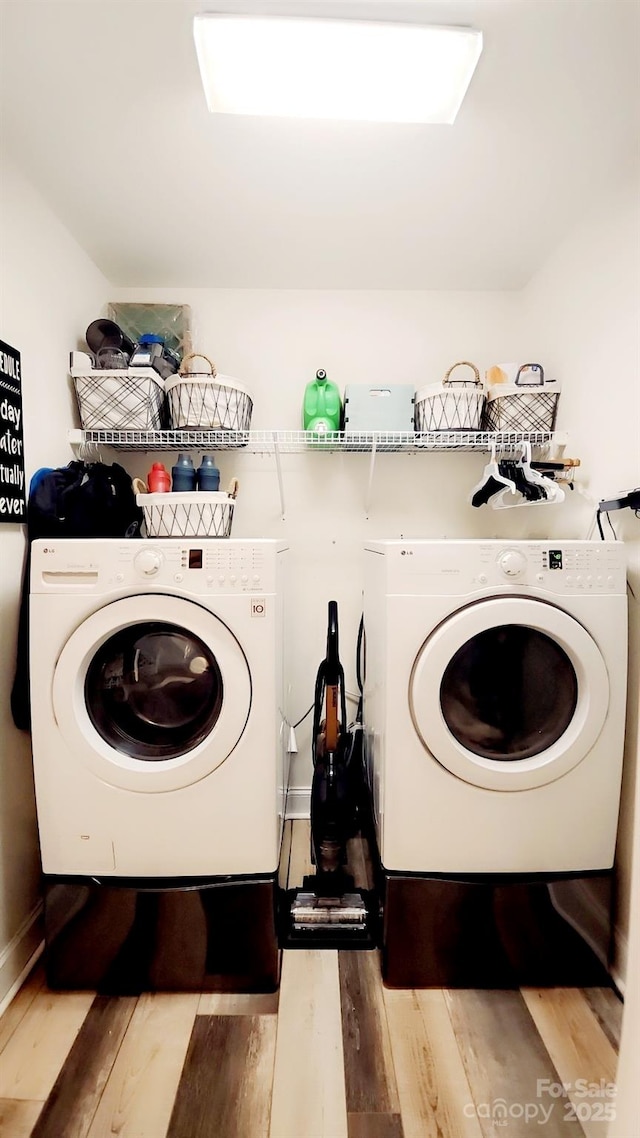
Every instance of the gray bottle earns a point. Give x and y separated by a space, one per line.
208 474
183 475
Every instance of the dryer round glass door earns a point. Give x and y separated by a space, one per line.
152 692
509 693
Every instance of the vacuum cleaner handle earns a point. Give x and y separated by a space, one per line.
330 690
334 679
332 659
332 724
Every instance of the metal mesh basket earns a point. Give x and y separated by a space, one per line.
522 406
123 400
445 407
189 514
207 401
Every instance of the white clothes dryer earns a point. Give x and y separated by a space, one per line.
158 710
494 705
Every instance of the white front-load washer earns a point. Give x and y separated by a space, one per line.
156 683
494 705
157 709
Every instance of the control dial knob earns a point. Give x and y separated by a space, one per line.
148 561
512 562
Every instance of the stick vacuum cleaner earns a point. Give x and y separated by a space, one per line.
328 911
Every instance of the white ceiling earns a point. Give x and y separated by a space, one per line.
102 107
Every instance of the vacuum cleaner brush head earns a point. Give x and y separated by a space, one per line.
315 916
346 912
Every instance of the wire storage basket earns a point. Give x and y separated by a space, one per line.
206 400
125 399
528 404
453 404
198 513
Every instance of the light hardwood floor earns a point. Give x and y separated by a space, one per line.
332 1055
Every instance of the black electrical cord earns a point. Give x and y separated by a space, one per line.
360 667
302 719
599 514
359 655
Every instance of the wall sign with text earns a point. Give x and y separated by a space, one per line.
13 506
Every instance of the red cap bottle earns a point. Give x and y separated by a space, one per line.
158 479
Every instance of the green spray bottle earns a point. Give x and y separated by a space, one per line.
322 406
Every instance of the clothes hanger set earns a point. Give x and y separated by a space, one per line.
512 481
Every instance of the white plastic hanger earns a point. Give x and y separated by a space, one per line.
491 471
552 492
533 476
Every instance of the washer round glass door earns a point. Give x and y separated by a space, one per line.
152 692
509 693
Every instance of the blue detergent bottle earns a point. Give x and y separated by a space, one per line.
208 474
183 475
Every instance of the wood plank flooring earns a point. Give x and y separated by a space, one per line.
333 1054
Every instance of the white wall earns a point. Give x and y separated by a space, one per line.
50 291
628 1096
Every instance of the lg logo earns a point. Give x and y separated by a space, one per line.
406 553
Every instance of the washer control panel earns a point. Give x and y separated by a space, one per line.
204 566
213 567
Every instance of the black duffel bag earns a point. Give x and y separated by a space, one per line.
78 500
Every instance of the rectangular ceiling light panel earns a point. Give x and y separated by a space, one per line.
335 69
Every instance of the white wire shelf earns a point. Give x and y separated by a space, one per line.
282 442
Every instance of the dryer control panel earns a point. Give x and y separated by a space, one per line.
457 568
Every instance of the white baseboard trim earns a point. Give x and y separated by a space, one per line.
19 955
298 802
